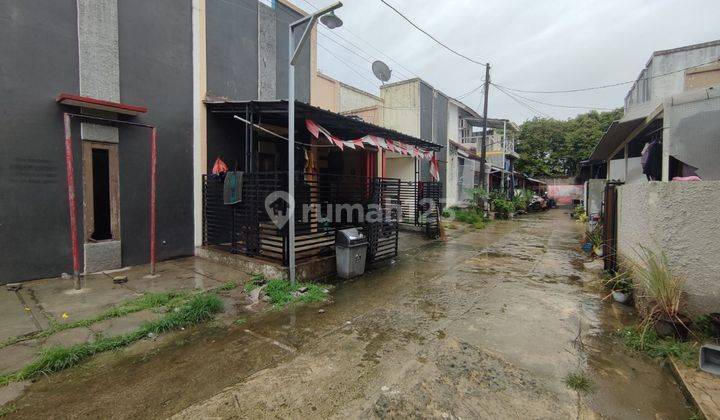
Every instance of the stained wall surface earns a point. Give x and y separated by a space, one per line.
680 219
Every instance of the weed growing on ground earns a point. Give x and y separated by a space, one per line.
239 321
146 301
227 286
281 292
197 309
579 381
7 409
469 216
647 342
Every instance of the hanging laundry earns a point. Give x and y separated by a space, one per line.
232 187
652 157
219 167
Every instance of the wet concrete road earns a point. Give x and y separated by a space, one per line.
486 325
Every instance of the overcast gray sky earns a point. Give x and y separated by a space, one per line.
531 45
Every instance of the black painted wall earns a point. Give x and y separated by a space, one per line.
285 16
232 58
231 48
38 50
155 40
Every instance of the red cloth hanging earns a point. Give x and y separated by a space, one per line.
219 167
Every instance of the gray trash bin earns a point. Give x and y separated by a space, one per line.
350 253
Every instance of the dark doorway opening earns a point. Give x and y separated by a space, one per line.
101 195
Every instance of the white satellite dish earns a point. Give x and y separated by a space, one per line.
381 70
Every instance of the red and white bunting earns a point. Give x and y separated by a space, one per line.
381 143
434 168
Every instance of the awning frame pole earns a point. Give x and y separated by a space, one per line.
72 202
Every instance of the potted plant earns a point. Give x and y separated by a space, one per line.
663 290
621 287
595 238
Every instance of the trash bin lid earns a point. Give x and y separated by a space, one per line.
350 236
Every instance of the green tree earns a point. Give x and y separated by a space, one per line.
550 147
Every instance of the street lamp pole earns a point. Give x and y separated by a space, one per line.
293 53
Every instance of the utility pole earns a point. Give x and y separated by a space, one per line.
483 143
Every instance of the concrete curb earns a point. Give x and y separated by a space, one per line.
695 394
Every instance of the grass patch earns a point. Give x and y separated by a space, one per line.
649 343
7 409
196 309
239 321
227 286
146 301
579 381
281 292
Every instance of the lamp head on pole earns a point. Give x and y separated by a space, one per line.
331 20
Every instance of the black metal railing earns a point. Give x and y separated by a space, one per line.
324 203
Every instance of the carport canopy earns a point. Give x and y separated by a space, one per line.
347 128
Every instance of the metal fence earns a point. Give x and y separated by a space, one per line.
324 203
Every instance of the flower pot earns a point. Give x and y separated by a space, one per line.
620 297
676 327
598 250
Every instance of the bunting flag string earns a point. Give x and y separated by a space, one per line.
381 143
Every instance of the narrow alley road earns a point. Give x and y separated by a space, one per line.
485 325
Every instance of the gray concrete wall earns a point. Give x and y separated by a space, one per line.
267 53
37 36
156 71
680 219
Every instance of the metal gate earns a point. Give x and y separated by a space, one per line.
610 214
420 203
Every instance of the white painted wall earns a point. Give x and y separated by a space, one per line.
665 77
402 168
451 178
401 110
634 175
682 220
453 122
352 99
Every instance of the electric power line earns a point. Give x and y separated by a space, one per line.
604 86
406 74
558 105
372 82
430 36
530 107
